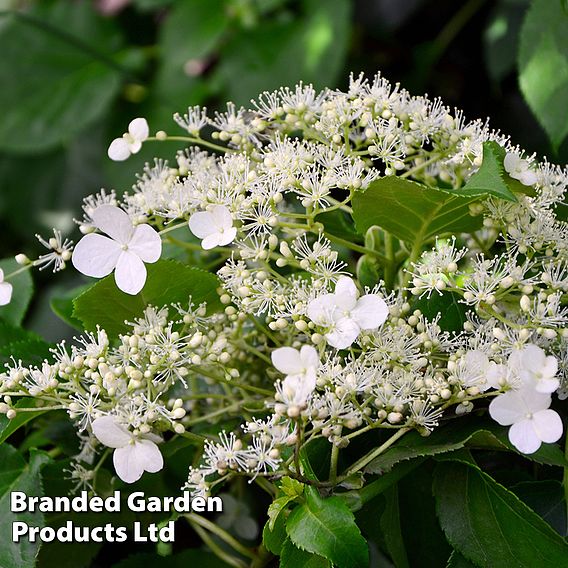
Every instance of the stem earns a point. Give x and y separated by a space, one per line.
454 26
421 166
389 267
215 548
333 464
356 248
18 271
190 140
219 412
173 228
365 460
267 486
223 535
414 256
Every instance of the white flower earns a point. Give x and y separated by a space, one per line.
133 455
535 368
473 370
519 169
5 290
127 249
215 227
130 143
300 369
531 421
292 362
346 314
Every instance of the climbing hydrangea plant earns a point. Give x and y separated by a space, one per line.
320 292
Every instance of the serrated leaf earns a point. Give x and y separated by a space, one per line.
452 312
489 525
543 66
276 507
411 211
22 291
489 179
292 557
17 475
57 73
168 282
457 434
327 527
457 560
273 538
291 487
545 498
19 343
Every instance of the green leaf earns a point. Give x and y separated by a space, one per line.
413 212
456 560
259 59
291 487
543 67
489 525
327 527
8 427
547 499
390 526
428 545
22 291
470 431
489 180
292 557
276 507
314 459
21 344
356 499
367 270
62 306
452 312
16 475
273 538
168 282
57 73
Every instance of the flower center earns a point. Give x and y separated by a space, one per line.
124 247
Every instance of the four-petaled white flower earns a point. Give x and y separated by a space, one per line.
133 454
345 314
5 290
535 368
127 249
300 369
130 143
291 362
214 226
531 421
519 169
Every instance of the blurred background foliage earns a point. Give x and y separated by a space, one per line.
74 73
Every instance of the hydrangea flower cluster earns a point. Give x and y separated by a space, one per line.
306 346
